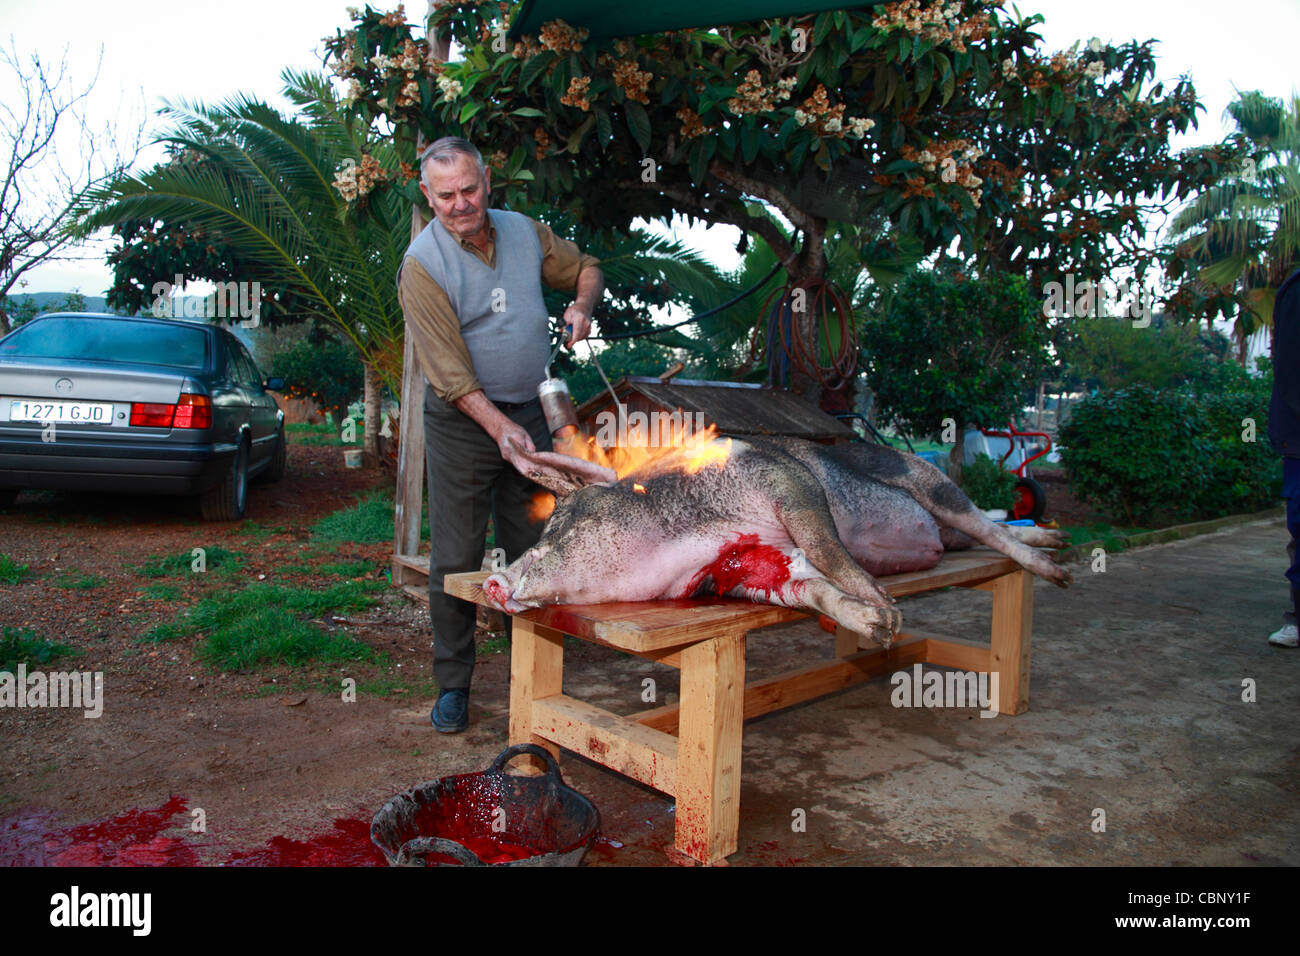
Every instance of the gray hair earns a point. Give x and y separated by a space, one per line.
444 151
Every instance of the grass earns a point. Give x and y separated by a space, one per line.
1111 538
179 565
322 434
264 624
493 645
369 521
80 582
339 569
258 532
162 592
11 572
25 647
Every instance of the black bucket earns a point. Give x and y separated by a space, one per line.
490 818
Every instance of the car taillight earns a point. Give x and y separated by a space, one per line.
192 411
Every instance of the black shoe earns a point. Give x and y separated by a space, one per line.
450 715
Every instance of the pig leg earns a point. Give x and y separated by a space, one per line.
937 494
954 540
847 592
815 593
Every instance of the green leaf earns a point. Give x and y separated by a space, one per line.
699 163
981 63
604 129
527 111
749 139
534 67
469 109
575 139
638 121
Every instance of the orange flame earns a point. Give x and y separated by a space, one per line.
541 507
640 446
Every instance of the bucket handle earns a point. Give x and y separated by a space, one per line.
423 846
510 753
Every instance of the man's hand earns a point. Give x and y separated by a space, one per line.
579 324
511 441
591 286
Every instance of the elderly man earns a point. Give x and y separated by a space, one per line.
471 291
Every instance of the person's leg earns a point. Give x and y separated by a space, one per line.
1288 635
462 463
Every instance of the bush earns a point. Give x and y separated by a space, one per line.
328 373
1148 454
988 484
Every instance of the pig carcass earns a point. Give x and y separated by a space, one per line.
773 520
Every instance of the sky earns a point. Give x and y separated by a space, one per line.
154 50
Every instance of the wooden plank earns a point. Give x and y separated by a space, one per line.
954 652
536 670
610 740
638 626
959 568
708 748
804 683
1013 616
418 593
416 562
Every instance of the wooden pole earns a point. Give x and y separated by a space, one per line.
410 451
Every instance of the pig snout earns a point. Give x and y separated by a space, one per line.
503 589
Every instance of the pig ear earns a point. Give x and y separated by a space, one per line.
562 474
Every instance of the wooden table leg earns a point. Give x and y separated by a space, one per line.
708 747
1013 616
536 671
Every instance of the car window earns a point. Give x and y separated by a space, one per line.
251 375
90 338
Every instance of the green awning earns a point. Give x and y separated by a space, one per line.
606 19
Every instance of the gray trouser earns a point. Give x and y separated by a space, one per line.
468 480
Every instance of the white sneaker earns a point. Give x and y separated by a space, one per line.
1286 636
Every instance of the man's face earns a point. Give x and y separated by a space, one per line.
458 193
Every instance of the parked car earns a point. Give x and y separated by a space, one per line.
94 402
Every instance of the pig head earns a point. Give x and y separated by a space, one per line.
776 521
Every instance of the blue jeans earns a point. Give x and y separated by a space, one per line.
1291 492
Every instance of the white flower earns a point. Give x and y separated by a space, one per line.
1008 66
948 170
450 88
354 13
1095 69
833 126
1094 45
801 117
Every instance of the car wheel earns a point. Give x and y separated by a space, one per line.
275 471
227 501
7 498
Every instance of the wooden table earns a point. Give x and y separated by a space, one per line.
692 750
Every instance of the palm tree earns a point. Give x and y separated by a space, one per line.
1240 238
266 182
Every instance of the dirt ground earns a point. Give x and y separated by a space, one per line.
1135 709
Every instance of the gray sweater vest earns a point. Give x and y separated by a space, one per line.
502 314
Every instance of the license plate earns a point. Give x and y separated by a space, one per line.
78 413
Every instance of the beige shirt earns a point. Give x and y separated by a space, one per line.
435 328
